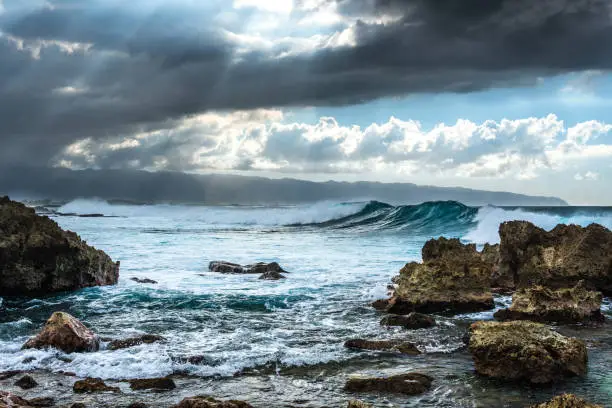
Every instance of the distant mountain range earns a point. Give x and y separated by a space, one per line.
174 187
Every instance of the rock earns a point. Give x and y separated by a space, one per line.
26 382
9 374
209 402
138 405
8 400
65 332
358 404
42 402
134 341
410 321
145 280
92 385
541 304
163 383
78 405
258 268
559 258
499 282
453 277
272 275
529 351
195 360
410 384
567 401
380 304
37 257
400 346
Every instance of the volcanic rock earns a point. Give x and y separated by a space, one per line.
529 351
210 402
410 384
134 341
272 275
38 257
163 383
65 332
567 401
92 385
258 268
400 346
410 321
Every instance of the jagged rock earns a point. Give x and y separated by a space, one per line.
410 321
499 282
26 382
134 341
453 277
38 257
358 404
400 346
163 383
541 304
210 402
380 304
8 400
272 275
559 258
529 351
410 384
258 268
92 385
65 332
144 280
566 401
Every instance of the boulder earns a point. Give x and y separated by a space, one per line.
134 341
358 404
26 382
38 257
452 278
89 385
144 280
257 268
542 304
163 383
559 258
210 402
272 275
566 401
399 346
42 402
410 321
525 351
409 384
66 333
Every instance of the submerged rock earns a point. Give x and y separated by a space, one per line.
566 401
358 404
210 402
453 277
134 341
400 346
559 258
163 383
258 268
66 333
272 275
144 280
410 384
541 304
38 257
92 385
529 351
410 321
26 382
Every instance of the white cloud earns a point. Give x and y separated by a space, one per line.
272 6
589 175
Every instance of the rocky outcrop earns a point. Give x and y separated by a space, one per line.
89 385
566 401
410 321
163 383
399 346
134 341
452 278
272 275
409 384
26 382
541 304
66 333
268 271
144 281
528 351
210 402
559 258
38 257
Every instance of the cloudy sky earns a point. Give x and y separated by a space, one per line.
509 95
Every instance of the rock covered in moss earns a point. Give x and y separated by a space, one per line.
210 402
521 350
567 401
542 304
89 385
559 258
66 333
410 321
409 384
38 257
399 346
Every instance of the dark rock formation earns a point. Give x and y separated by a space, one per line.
38 257
527 351
163 383
134 341
92 385
26 382
272 275
358 404
145 280
9 374
42 402
78 405
138 405
541 304
210 402
8 400
410 384
399 346
453 277
381 304
258 268
65 332
567 401
410 321
559 258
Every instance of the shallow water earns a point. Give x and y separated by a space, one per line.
278 343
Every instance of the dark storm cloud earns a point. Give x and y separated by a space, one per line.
147 68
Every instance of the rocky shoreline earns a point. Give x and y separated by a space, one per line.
556 277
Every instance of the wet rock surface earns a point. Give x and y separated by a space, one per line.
257 268
399 346
164 383
144 281
567 401
272 275
410 384
66 333
26 382
92 385
38 257
358 404
210 402
410 321
134 341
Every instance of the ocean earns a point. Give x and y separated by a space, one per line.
280 343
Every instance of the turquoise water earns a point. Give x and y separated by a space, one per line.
341 256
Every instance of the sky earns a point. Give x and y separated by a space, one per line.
507 95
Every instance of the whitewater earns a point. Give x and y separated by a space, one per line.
279 343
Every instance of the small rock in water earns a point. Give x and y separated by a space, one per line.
410 384
410 321
41 402
272 275
28 360
9 374
134 341
78 405
400 346
92 385
567 401
163 383
144 280
210 402
138 405
26 382
358 404
258 268
66 333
